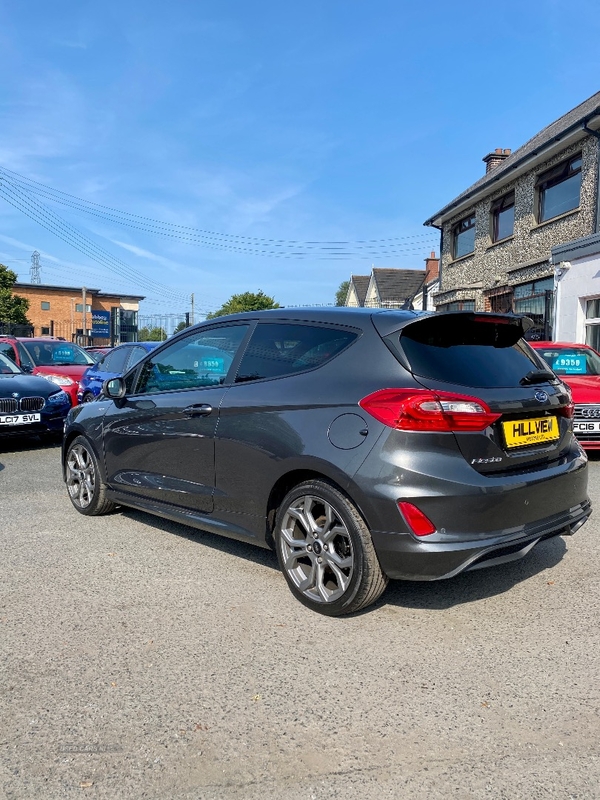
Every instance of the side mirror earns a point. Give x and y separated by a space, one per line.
114 388
27 368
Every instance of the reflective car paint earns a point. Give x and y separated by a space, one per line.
18 393
94 376
26 354
226 472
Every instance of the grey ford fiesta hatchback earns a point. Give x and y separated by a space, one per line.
362 445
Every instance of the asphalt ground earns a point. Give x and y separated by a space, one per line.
142 659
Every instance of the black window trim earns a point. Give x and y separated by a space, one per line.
553 177
502 203
188 334
308 323
456 232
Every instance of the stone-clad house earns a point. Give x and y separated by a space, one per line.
497 236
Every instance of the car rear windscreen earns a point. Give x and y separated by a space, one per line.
468 351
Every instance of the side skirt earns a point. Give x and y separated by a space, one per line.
201 521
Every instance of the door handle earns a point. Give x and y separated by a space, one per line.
198 410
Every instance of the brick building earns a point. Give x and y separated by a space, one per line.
59 311
497 236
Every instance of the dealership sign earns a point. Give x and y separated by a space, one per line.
101 323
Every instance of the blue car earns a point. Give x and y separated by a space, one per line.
114 363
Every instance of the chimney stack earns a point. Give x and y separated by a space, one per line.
492 160
432 268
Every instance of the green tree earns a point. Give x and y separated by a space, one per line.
248 301
12 307
180 327
340 295
152 334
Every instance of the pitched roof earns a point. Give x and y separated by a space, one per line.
568 123
398 284
361 284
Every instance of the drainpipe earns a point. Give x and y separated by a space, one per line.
597 135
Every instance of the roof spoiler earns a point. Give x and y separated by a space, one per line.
385 324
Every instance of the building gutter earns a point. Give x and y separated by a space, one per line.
482 191
597 135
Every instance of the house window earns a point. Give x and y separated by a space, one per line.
534 299
79 308
503 217
45 305
592 323
457 305
45 331
464 237
559 189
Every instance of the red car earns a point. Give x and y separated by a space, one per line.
61 362
579 367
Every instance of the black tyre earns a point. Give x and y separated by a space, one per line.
84 481
325 550
88 397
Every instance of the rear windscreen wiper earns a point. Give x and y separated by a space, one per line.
537 376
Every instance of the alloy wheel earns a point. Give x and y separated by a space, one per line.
316 549
81 476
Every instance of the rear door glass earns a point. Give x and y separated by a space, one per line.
465 351
117 360
277 349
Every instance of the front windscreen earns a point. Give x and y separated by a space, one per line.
7 366
57 354
468 350
571 360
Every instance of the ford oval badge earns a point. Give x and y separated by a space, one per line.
541 396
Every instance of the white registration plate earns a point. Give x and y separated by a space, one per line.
19 419
586 427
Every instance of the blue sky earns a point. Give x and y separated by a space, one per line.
296 122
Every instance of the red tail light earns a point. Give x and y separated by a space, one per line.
416 520
424 410
567 411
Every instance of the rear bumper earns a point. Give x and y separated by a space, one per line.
403 556
477 517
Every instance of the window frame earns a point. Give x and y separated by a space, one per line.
503 203
304 323
132 376
457 231
45 305
550 178
445 306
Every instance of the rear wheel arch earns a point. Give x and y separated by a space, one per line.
285 483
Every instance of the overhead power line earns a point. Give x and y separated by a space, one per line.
44 216
251 245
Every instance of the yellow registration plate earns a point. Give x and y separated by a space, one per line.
523 432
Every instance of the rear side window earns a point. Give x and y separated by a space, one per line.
277 349
468 351
136 354
115 361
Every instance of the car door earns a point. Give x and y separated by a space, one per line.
159 439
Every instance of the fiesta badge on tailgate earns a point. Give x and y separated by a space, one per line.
523 432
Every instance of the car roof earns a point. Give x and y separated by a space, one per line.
342 315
